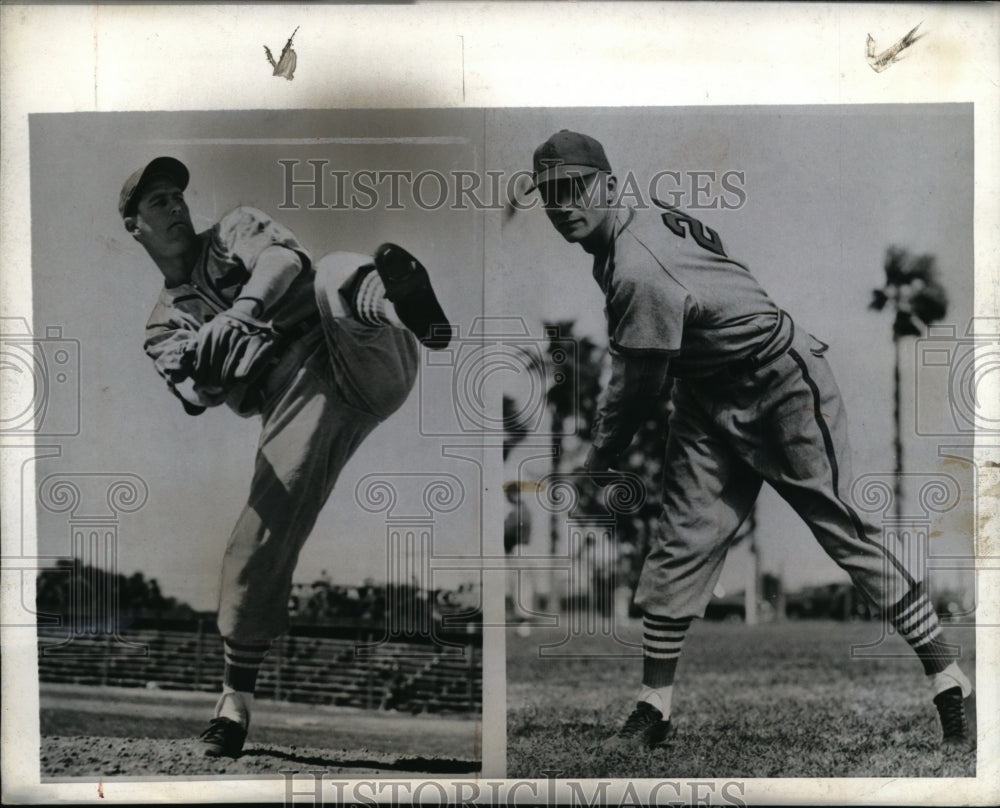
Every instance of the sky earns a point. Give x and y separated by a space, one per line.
826 190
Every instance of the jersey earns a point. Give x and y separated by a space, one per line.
671 289
227 255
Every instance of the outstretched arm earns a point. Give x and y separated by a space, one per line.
273 273
635 384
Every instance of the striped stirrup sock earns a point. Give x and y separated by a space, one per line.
662 638
370 303
917 623
242 665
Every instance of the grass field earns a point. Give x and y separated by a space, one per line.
775 700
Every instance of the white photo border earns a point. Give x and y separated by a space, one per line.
84 58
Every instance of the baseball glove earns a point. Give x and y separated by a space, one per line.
233 347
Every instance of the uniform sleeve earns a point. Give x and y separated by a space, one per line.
171 335
646 312
245 233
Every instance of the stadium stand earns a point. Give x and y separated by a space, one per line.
356 671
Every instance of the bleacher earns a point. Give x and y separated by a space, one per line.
355 671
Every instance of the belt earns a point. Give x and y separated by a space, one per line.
774 347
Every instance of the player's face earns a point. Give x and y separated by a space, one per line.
162 223
580 207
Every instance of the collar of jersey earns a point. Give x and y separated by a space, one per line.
621 226
603 268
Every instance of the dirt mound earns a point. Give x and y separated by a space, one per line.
105 758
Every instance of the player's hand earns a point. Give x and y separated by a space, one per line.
591 486
599 465
595 474
232 347
597 471
595 479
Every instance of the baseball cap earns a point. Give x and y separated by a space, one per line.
568 154
159 167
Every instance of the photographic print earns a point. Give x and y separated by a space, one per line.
241 528
676 386
530 403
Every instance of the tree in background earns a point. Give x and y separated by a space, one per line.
644 458
917 299
574 386
516 425
57 588
572 392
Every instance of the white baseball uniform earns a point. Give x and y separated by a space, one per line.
331 384
754 401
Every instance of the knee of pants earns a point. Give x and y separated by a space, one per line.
333 270
376 368
679 586
879 581
684 564
400 371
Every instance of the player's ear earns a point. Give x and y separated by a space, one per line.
608 190
132 225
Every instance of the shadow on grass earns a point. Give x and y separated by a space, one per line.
407 764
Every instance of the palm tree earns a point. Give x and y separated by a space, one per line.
516 424
562 399
569 368
918 299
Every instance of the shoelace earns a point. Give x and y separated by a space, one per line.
216 730
953 717
642 717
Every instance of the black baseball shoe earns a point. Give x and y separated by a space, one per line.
408 286
643 729
223 738
951 708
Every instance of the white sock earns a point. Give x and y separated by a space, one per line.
372 305
659 697
235 705
950 677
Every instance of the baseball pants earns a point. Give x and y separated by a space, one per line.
783 424
351 378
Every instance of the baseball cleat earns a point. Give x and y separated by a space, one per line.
223 738
643 729
951 708
408 286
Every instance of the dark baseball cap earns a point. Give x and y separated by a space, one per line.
568 154
168 167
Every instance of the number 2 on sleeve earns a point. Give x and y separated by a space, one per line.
703 236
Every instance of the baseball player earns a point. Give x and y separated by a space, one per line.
322 352
754 400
